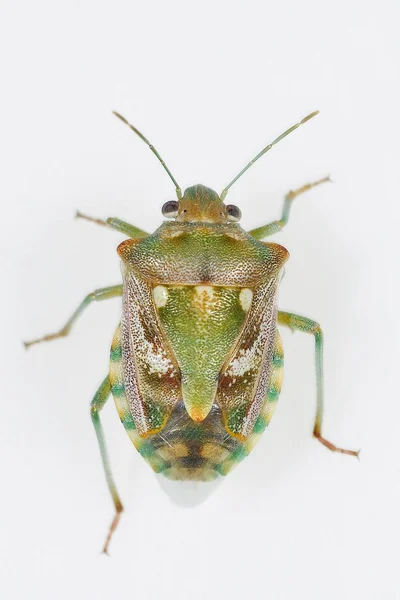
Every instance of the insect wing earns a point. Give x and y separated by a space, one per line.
244 379
151 375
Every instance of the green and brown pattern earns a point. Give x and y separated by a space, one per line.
198 323
197 362
185 449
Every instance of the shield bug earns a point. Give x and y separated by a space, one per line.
196 362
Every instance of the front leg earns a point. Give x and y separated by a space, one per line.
114 223
295 322
266 230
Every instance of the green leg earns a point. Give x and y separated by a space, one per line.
295 322
96 296
114 223
97 404
276 226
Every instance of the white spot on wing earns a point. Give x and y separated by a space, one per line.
246 361
160 295
151 352
245 298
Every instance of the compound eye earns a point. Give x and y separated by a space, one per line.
170 209
234 213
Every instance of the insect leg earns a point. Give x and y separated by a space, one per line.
295 322
117 224
96 405
266 230
96 296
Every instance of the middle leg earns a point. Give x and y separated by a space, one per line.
96 296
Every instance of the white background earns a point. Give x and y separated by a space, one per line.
209 83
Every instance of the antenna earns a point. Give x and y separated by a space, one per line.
146 141
266 149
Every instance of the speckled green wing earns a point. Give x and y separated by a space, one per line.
245 377
151 374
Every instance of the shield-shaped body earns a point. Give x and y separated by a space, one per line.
197 361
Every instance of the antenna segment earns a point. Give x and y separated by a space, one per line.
146 141
266 149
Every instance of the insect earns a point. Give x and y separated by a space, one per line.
196 362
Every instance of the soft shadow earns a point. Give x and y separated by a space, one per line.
188 493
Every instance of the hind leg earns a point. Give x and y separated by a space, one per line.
295 322
96 406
